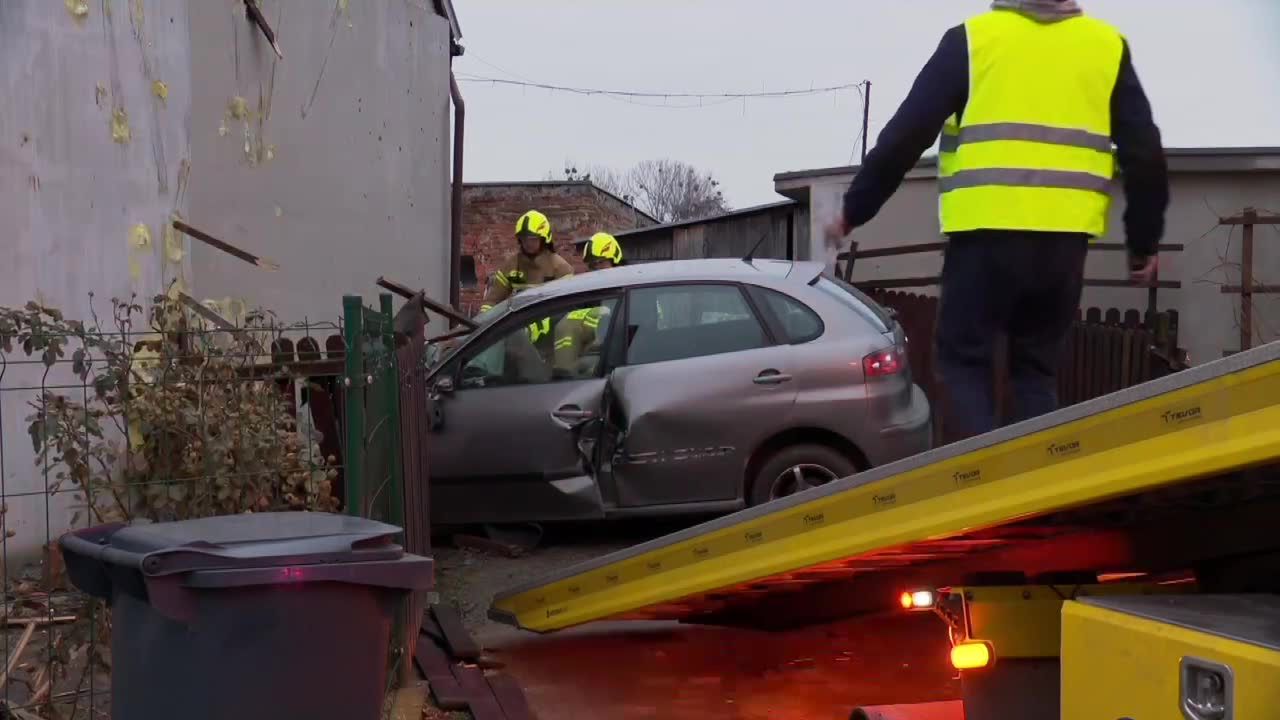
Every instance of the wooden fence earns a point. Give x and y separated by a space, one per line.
326 397
1108 350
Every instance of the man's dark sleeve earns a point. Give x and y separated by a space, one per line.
1140 155
940 91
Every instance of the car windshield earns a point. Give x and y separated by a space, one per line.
856 300
439 348
489 315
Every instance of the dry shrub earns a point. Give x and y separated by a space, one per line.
172 422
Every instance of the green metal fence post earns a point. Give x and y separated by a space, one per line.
391 401
353 334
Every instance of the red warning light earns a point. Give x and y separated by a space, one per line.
918 600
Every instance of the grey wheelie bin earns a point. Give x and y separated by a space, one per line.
248 617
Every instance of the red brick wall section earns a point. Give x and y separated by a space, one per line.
576 210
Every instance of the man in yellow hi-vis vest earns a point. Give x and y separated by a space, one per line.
579 329
1029 98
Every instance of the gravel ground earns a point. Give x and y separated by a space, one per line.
468 579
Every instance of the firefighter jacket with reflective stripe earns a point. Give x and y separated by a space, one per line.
1033 147
1053 72
519 271
576 332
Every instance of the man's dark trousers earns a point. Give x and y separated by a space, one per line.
1024 284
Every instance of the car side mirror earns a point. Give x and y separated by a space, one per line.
443 386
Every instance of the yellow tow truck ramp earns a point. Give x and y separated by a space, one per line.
1164 477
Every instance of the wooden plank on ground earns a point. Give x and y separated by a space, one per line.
511 697
483 705
435 666
432 628
458 641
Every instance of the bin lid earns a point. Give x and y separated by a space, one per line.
248 540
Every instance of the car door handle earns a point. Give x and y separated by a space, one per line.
572 413
771 377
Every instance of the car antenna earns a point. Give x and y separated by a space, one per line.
751 253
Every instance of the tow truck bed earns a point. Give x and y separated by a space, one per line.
1166 476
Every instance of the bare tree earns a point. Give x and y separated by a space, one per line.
668 190
605 178
672 191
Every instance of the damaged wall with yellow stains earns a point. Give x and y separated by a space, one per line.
117 116
95 103
334 161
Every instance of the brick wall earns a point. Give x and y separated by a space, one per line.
576 210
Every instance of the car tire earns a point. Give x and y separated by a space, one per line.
795 468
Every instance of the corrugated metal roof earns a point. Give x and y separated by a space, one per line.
557 183
753 210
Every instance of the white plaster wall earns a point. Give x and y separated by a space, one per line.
357 185
70 195
351 131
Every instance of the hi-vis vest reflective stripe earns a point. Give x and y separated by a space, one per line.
947 146
539 328
1032 150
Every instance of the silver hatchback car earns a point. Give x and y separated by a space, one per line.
709 385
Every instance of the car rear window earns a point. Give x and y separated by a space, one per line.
800 323
856 300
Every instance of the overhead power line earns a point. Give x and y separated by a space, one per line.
763 94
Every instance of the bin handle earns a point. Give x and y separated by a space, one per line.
88 556
89 542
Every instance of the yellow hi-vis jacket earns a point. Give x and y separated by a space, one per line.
576 332
1033 149
518 271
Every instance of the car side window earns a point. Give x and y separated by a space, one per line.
564 342
676 322
799 323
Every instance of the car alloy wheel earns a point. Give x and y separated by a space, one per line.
798 478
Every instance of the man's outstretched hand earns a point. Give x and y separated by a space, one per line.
837 230
1144 271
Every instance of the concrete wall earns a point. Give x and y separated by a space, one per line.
338 167
1209 320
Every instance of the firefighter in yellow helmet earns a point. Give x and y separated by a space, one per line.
580 329
534 262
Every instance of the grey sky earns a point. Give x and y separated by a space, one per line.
1210 69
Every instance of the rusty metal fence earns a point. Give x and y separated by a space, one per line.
175 410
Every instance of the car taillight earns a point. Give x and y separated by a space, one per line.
882 363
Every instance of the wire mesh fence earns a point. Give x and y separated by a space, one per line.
172 411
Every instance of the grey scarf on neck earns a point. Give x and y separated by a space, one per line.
1042 10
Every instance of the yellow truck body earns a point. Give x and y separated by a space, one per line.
1194 657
